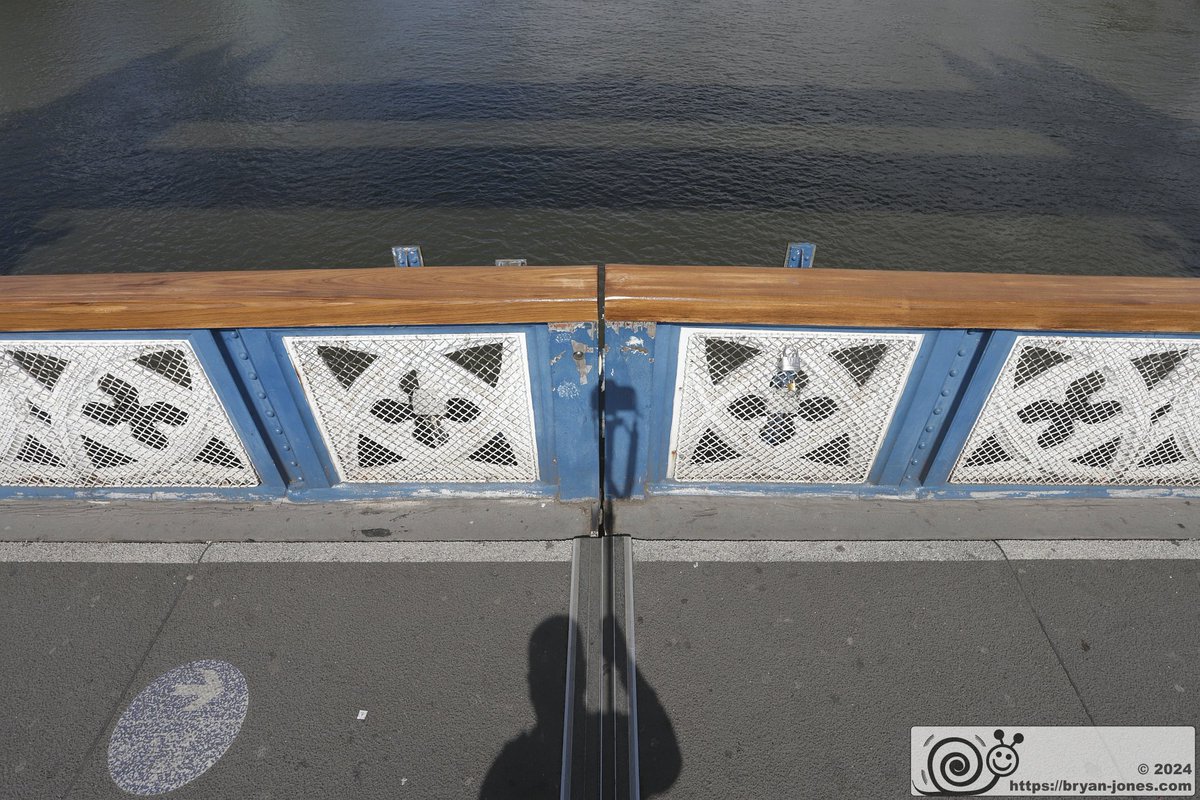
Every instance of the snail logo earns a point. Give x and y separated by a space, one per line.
957 767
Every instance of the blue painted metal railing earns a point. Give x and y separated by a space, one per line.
935 442
256 386
407 411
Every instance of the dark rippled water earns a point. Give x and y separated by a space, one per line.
998 135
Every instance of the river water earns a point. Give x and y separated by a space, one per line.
993 135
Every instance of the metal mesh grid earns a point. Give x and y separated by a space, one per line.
1090 410
113 413
804 407
422 408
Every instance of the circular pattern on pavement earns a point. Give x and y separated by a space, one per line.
178 727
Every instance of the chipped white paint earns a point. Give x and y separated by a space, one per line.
476 494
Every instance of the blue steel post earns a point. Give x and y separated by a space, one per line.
251 354
628 406
992 354
575 408
934 391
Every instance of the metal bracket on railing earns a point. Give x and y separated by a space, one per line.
800 254
407 255
511 262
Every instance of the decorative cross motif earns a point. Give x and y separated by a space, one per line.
426 410
785 406
142 420
1076 408
780 425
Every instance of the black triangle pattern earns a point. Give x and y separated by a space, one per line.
712 448
1167 452
484 361
346 365
1155 367
723 356
989 451
171 364
861 361
45 369
1160 412
102 456
40 414
372 454
218 454
34 452
1036 360
1099 457
497 451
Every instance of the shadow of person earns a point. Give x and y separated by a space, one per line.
530 766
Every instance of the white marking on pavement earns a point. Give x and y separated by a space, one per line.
556 551
282 552
202 692
1101 550
102 552
362 714
876 551
695 551
161 742
358 552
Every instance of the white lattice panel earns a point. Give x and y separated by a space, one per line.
422 408
1090 410
744 414
113 413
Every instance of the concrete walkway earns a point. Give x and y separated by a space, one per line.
766 669
431 641
795 669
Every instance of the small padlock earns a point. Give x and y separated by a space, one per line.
789 360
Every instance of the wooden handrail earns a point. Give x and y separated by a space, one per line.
499 295
298 298
901 299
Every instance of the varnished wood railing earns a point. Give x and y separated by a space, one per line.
499 295
883 299
299 298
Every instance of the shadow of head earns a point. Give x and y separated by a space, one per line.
547 667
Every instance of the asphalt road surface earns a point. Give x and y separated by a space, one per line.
499 669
